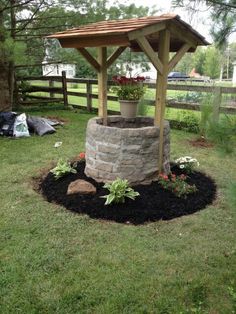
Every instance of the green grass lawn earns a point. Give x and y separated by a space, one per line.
55 261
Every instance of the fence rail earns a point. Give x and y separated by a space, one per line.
25 95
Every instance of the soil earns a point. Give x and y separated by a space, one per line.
154 203
201 142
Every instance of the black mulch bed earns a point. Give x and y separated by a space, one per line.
154 203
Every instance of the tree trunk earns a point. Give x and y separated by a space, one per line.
11 71
5 103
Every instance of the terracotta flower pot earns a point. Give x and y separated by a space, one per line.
128 108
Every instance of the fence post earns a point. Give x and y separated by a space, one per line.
51 84
64 88
89 96
217 98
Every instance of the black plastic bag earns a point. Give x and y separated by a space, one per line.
7 120
39 125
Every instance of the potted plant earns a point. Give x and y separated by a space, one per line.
129 91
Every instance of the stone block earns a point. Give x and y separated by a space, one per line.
91 172
105 166
107 148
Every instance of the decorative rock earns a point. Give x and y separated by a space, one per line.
81 187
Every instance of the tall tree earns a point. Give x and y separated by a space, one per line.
222 12
211 66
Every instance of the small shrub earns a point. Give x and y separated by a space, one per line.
223 133
176 184
142 108
62 168
119 190
191 121
187 163
74 85
189 97
206 114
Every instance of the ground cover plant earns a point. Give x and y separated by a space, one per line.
62 169
54 261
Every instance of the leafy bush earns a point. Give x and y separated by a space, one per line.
223 133
74 85
142 107
119 190
62 168
192 123
206 114
176 184
190 97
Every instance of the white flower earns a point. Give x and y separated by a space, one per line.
187 160
181 166
57 144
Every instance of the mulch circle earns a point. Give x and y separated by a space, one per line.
154 203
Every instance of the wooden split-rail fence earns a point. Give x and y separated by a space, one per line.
31 94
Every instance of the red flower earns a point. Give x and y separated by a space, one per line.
82 155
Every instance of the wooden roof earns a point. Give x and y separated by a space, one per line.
124 32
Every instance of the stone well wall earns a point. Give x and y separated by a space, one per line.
126 148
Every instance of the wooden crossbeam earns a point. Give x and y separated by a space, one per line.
147 49
151 29
115 55
178 56
93 62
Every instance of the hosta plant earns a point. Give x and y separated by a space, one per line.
119 190
62 168
176 184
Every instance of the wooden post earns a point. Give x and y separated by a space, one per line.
51 84
163 54
217 103
102 84
89 96
64 88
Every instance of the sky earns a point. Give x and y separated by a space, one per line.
200 22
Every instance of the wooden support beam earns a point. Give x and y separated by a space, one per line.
178 56
183 35
95 41
115 55
102 84
151 29
93 62
163 54
147 49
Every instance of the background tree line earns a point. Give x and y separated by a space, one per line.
25 23
210 61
